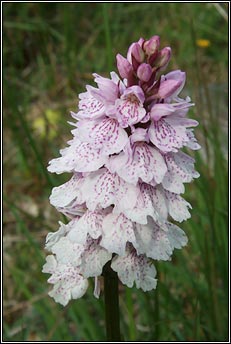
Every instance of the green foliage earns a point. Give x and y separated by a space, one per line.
49 53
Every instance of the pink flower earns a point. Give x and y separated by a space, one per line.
128 109
128 176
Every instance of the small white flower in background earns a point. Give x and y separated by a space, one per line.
128 174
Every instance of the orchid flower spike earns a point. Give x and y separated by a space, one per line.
128 174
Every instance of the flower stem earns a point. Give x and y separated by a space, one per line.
111 304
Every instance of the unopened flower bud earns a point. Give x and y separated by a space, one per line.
151 46
141 41
124 67
136 52
163 58
144 72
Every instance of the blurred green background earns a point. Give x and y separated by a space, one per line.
49 53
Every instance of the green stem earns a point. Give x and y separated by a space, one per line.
111 296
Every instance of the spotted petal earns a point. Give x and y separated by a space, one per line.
153 241
170 133
176 236
151 201
117 231
71 285
90 223
105 135
93 259
64 194
68 252
177 207
89 107
157 243
68 283
79 157
192 143
180 170
129 108
139 161
53 238
103 189
132 268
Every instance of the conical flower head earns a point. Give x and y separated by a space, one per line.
128 174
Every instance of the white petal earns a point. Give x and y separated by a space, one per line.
77 233
67 192
180 170
117 162
105 134
153 241
157 243
117 231
128 112
89 106
126 196
139 161
80 289
89 223
67 252
99 189
168 135
177 237
103 189
158 198
53 238
132 268
192 143
50 265
139 134
79 157
150 202
171 133
93 259
178 207
68 284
